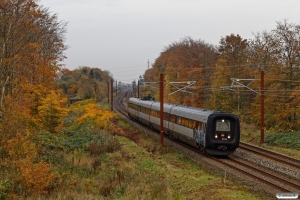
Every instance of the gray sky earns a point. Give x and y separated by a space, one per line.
121 35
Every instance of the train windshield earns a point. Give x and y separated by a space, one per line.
223 125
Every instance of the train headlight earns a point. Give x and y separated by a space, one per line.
216 136
223 120
228 136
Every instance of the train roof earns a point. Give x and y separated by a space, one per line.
167 107
134 100
175 109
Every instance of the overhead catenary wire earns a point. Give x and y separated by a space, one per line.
214 77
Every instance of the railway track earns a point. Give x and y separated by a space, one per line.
271 155
273 179
119 105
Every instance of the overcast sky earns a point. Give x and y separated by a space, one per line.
121 35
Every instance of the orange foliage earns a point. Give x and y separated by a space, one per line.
187 60
36 177
32 50
21 148
73 90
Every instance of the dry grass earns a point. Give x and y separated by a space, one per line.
140 169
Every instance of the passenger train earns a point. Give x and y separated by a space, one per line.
215 132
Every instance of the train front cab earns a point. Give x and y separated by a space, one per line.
222 134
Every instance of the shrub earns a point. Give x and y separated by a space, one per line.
288 140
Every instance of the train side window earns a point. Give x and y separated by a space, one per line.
172 118
155 113
198 125
178 120
192 123
152 112
167 116
182 121
185 122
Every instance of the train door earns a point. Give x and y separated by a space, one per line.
166 120
197 132
204 133
138 110
172 122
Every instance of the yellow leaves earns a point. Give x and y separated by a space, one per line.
99 117
79 107
51 110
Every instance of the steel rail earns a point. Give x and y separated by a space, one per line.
270 154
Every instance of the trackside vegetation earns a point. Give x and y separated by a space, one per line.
286 143
97 155
291 140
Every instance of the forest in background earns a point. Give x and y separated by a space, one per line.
85 83
277 53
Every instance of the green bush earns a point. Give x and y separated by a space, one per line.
288 140
4 187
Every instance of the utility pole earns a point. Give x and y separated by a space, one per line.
236 83
107 83
138 90
112 94
161 99
262 108
116 88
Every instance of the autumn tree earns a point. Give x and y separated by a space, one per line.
100 118
51 110
186 60
277 53
31 50
86 83
231 63
31 47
